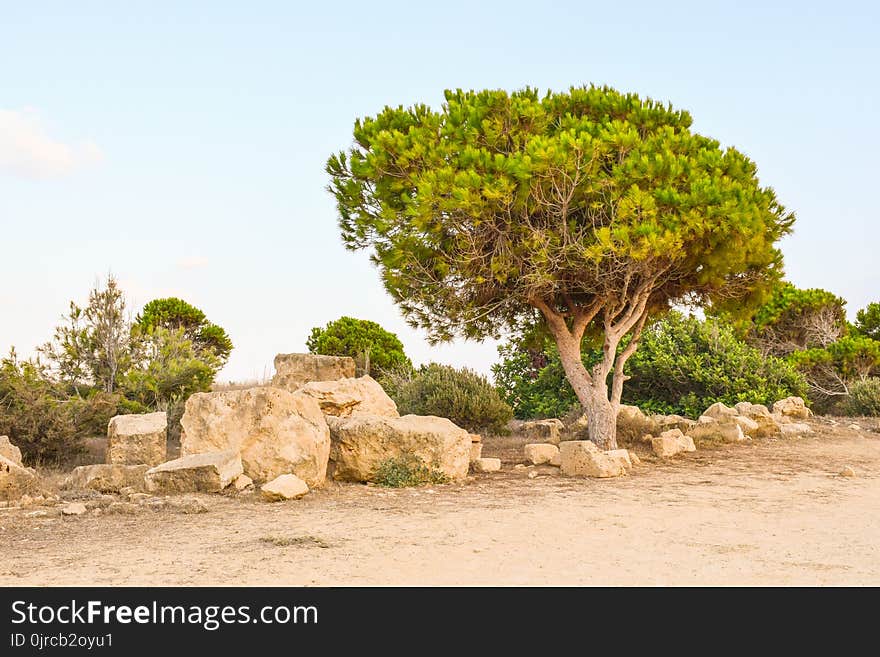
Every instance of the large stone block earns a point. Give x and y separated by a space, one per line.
547 431
108 477
292 371
9 450
581 458
137 439
346 396
540 453
208 472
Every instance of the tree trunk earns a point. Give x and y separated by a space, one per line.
593 395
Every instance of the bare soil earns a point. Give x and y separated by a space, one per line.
770 512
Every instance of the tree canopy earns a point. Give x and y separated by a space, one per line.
175 314
593 207
365 341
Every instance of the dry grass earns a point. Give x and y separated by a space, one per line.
296 541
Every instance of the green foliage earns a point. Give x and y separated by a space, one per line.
376 350
864 398
405 471
175 314
474 211
832 371
683 365
795 319
868 321
463 396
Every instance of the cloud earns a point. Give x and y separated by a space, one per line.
192 262
26 151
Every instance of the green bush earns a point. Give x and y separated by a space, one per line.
405 471
864 398
374 349
683 365
463 396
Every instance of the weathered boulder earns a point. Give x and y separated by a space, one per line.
361 442
73 509
622 456
285 487
346 396
581 458
792 407
243 482
14 479
768 427
276 431
634 458
747 424
486 465
672 442
666 422
292 371
9 450
108 477
719 411
137 439
547 431
795 429
208 472
727 431
539 453
476 451
632 424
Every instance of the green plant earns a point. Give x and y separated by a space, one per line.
864 398
375 350
589 209
463 396
407 470
832 371
175 314
868 321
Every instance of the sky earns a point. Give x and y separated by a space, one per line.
181 146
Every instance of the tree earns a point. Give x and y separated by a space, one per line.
176 314
868 321
92 347
794 319
590 209
365 341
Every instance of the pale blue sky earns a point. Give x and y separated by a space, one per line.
181 145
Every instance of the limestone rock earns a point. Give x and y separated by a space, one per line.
73 509
768 427
276 431
362 442
486 465
747 424
242 482
476 451
622 456
632 424
792 407
556 460
292 371
727 431
14 479
795 429
547 431
208 472
185 505
672 442
285 487
346 396
853 427
847 472
665 422
107 478
539 453
720 412
137 439
9 450
581 458
634 458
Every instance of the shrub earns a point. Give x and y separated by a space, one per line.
864 398
407 470
683 365
373 348
463 396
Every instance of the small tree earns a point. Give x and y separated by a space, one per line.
868 321
592 208
368 343
176 314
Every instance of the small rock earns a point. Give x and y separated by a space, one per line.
539 453
126 491
581 458
519 466
847 472
853 427
37 514
532 474
285 487
73 509
243 482
139 498
795 429
488 465
123 508
671 442
634 458
792 407
184 505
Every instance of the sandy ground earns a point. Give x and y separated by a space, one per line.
764 513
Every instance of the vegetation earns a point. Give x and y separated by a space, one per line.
592 210
99 364
864 398
463 396
405 471
868 321
683 366
375 350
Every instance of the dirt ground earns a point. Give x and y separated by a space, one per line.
770 512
